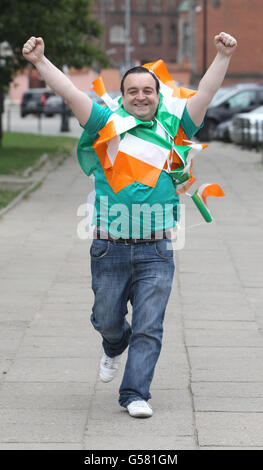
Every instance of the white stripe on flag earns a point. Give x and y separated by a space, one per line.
175 105
144 150
113 148
122 124
165 90
113 104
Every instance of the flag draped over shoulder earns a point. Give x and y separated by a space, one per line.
128 149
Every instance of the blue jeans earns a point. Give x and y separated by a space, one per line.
142 274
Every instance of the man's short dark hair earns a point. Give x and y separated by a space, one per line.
140 69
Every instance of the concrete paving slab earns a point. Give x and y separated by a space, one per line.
41 446
223 338
227 389
41 369
233 404
210 309
41 425
225 354
249 371
44 327
45 396
56 346
230 429
137 442
122 425
105 403
220 325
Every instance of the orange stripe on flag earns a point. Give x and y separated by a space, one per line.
137 169
159 68
211 190
126 169
105 134
101 151
99 87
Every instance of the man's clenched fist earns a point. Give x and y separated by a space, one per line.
33 49
225 44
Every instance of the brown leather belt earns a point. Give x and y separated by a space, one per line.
153 237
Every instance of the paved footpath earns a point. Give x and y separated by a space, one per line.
207 391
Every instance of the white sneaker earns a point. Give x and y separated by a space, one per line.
139 409
109 367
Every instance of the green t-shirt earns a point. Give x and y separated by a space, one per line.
136 210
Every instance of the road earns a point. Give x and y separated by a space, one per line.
12 121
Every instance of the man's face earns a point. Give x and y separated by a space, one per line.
140 97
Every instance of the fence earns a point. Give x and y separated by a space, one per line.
252 134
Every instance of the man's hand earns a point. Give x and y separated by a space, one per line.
33 50
79 102
225 44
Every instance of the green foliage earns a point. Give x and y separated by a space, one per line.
20 151
70 33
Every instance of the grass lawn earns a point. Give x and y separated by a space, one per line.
7 195
20 151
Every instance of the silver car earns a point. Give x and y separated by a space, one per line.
247 128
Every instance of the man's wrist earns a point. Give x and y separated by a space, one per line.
223 57
40 61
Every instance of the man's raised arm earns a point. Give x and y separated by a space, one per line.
213 78
78 101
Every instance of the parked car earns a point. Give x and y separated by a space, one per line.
114 94
54 105
227 102
91 94
222 131
34 100
247 128
98 99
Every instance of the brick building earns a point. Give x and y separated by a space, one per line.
175 31
153 29
240 18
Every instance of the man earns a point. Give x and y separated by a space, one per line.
139 270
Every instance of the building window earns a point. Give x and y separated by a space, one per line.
117 35
141 5
110 5
186 38
242 100
172 5
142 35
157 34
157 5
172 34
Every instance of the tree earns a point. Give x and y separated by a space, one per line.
70 33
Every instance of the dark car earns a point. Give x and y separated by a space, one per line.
34 100
54 105
227 102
